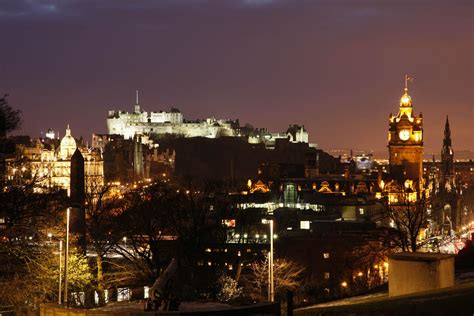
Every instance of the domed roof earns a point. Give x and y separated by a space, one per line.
405 100
68 145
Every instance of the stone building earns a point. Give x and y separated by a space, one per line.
405 145
139 122
49 162
162 123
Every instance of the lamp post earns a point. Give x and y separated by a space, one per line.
271 294
60 259
66 258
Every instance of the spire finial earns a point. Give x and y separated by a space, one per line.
406 100
136 96
407 79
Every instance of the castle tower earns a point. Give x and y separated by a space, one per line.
405 143
447 180
137 105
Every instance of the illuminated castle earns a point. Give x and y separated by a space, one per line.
161 123
139 122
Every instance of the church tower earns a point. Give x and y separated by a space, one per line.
447 181
405 144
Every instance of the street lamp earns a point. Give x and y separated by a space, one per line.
60 259
271 294
66 257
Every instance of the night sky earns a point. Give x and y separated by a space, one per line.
335 66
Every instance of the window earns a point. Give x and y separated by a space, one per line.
304 224
361 211
123 294
326 255
327 275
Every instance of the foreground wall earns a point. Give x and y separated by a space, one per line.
257 309
418 272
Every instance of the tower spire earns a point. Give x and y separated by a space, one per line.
447 180
406 100
137 105
447 134
407 78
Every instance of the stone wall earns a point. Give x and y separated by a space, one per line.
419 272
256 309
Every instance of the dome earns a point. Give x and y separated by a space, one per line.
405 100
68 145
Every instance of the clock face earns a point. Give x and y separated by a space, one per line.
404 134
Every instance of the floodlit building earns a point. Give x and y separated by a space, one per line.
172 122
405 145
161 123
48 161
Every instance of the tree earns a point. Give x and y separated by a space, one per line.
197 221
165 220
102 208
407 215
144 221
287 275
228 288
9 118
9 121
36 276
28 220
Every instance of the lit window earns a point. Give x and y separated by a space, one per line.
327 275
326 255
123 294
361 211
304 224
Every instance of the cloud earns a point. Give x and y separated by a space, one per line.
19 8
15 8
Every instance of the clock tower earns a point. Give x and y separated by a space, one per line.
405 143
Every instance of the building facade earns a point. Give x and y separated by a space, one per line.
48 161
405 146
161 123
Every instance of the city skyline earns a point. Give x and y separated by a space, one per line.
268 63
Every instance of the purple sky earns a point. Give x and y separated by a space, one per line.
336 66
